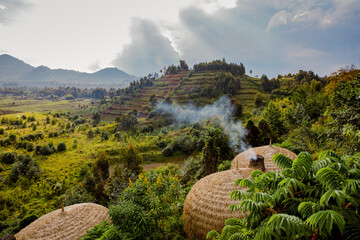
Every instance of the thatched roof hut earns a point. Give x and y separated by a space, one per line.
242 159
70 224
207 205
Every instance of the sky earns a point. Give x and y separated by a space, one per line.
140 36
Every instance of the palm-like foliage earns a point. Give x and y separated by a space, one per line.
307 199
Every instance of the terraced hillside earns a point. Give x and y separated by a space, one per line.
183 87
160 88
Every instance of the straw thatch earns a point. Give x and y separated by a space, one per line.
72 223
207 205
242 159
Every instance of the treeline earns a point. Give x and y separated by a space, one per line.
221 65
136 85
175 69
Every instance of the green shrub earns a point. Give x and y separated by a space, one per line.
2 131
12 137
97 231
25 166
168 150
61 147
105 136
225 165
29 147
8 158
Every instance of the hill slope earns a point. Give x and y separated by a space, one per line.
184 87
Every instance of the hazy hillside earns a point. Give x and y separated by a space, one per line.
14 72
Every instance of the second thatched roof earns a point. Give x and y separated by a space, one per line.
207 204
70 224
242 159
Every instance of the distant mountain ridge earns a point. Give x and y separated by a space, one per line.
15 72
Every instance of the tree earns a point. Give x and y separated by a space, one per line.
183 65
128 122
131 158
253 135
272 114
96 118
216 149
96 179
150 208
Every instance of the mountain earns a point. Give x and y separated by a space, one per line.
111 73
14 72
12 68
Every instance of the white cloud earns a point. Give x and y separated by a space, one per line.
280 18
341 12
148 52
2 7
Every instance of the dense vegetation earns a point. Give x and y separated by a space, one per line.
307 199
101 149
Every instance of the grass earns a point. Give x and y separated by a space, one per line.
40 106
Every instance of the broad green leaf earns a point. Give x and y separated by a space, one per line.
292 183
282 161
288 224
213 235
306 209
247 183
325 220
330 178
302 164
327 154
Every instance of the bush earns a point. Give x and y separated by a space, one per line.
12 137
2 131
25 166
61 147
45 150
105 136
168 150
97 231
8 158
29 147
90 134
192 171
225 165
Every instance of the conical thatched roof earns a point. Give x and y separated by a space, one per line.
207 204
70 224
242 159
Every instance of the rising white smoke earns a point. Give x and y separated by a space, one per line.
220 110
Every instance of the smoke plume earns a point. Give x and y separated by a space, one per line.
220 110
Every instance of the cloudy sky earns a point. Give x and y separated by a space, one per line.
141 36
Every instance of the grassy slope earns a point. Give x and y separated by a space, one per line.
39 197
